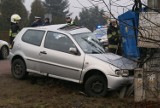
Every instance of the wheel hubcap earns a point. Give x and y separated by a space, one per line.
97 87
18 69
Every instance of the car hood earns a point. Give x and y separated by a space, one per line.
116 60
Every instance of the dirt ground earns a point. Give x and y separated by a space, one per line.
43 92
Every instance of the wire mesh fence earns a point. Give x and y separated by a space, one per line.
147 83
149 30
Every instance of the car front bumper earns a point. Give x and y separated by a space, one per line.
115 82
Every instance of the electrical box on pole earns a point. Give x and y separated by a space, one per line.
140 31
128 23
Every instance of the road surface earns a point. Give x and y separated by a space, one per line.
5 67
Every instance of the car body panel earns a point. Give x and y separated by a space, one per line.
3 43
61 64
108 66
116 82
77 31
117 61
66 66
29 52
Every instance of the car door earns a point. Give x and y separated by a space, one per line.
56 57
31 47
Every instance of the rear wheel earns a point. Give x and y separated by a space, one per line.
18 69
4 52
96 86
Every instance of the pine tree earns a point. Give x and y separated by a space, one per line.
37 9
91 18
9 7
58 9
76 20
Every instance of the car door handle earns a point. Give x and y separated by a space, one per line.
43 52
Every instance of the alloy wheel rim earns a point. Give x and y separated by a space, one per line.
4 52
18 69
97 87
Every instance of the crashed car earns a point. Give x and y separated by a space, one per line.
4 49
69 53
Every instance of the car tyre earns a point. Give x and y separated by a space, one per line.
4 52
18 69
96 86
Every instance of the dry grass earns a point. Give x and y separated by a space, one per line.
51 93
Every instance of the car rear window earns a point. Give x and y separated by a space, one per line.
33 37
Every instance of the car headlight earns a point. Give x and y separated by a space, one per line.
123 73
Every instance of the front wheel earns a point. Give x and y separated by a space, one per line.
96 86
18 69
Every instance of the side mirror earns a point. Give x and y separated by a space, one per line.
73 51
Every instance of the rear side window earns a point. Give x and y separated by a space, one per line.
33 37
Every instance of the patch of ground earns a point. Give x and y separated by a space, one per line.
47 92
43 92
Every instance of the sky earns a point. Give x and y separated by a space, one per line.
73 3
117 7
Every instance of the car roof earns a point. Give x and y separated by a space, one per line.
72 29
51 27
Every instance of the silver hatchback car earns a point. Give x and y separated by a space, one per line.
69 53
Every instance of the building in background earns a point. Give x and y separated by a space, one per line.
155 4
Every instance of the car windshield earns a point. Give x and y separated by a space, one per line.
100 31
89 43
